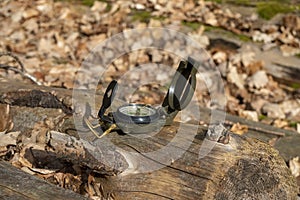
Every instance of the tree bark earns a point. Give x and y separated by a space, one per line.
16 184
125 166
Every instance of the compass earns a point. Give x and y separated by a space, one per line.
142 118
136 113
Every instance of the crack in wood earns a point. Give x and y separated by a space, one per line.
14 191
34 98
146 192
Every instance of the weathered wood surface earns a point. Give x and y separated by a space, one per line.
16 184
284 73
286 141
243 168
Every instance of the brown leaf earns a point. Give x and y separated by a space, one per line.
8 138
239 128
295 166
6 123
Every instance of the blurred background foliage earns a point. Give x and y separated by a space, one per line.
265 9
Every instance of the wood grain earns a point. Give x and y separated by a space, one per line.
16 184
123 164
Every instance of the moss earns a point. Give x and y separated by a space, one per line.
293 124
235 2
144 16
216 1
265 9
108 7
268 10
212 28
160 18
241 2
82 2
244 38
295 85
251 2
192 25
141 15
229 34
88 3
262 117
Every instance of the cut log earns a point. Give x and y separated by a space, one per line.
16 184
244 168
176 163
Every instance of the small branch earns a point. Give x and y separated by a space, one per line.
21 71
9 54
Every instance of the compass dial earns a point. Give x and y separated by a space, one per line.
137 114
137 110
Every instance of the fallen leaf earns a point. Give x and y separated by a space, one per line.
8 138
6 123
239 128
295 166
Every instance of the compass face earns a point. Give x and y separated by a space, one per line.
137 110
136 114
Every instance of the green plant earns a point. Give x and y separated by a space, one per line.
83 2
265 9
244 38
193 25
241 2
160 18
262 117
293 124
108 7
87 2
141 15
268 10
230 34
217 1
295 85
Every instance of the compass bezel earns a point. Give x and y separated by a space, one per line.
122 117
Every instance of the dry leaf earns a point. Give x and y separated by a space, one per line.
6 123
8 138
3 151
43 171
295 166
239 128
28 170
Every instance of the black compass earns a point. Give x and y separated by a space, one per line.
143 118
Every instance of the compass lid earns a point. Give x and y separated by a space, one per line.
182 87
107 100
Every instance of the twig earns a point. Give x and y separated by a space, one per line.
21 71
9 54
